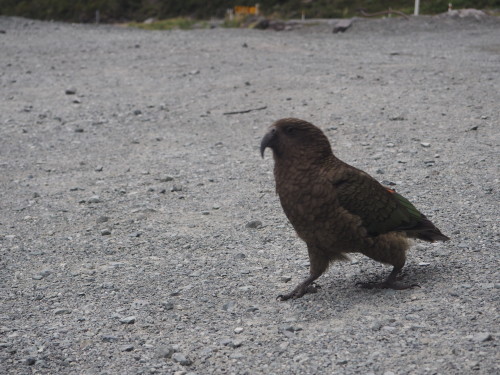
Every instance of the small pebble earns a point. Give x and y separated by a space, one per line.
254 224
128 320
301 358
236 343
425 144
290 328
102 219
42 274
388 328
94 199
62 311
105 232
238 330
127 348
229 307
167 305
236 356
165 351
181 359
482 337
284 346
246 288
285 279
30 361
109 338
226 341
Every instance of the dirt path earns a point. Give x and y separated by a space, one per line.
127 198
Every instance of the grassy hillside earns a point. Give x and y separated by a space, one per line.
139 10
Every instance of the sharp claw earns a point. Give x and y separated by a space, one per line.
301 289
285 297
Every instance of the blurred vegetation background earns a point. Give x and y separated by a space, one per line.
140 10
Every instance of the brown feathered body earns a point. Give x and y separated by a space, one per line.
336 208
311 204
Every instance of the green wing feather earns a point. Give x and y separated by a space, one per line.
411 215
381 210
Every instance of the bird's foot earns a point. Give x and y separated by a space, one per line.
387 284
299 292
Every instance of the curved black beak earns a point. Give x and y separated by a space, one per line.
267 141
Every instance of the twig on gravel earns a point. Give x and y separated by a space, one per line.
244 111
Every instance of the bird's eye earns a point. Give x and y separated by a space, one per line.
290 130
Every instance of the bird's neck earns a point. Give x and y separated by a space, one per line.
304 159
299 168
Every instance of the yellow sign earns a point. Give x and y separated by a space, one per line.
239 10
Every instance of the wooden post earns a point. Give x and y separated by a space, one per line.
417 8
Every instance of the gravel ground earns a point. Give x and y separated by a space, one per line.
140 232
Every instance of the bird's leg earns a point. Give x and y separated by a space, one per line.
319 264
389 283
304 287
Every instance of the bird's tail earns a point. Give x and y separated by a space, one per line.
427 231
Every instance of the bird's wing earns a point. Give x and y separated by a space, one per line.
381 209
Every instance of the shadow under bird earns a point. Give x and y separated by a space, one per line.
338 209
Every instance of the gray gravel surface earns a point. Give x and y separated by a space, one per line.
140 232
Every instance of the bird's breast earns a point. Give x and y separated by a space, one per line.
304 199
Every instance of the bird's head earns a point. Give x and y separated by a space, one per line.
291 137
